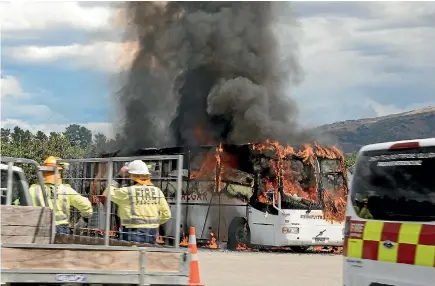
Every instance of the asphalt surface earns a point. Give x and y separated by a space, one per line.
221 268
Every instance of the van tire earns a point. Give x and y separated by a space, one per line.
238 232
299 249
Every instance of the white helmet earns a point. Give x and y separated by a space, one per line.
138 167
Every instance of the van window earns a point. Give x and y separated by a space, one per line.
399 185
17 187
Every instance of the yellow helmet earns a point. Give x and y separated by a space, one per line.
49 176
50 161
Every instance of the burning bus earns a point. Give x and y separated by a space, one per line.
256 194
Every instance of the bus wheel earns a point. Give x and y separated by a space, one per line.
238 233
299 249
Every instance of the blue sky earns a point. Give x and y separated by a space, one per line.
60 62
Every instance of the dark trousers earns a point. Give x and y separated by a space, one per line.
63 228
140 235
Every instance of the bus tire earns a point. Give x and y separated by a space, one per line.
299 249
238 232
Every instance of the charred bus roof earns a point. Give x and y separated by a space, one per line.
238 150
231 148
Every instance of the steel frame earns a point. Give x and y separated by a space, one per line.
110 162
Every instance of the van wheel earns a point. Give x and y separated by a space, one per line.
299 249
238 232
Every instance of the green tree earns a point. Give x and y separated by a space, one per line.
349 160
41 136
78 135
27 137
54 134
37 147
100 143
17 135
5 135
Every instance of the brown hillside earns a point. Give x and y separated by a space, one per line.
352 134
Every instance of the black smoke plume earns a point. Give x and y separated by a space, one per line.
209 66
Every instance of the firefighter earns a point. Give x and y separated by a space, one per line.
142 207
365 213
66 197
356 206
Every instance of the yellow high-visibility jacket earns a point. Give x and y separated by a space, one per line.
365 213
357 209
140 206
66 197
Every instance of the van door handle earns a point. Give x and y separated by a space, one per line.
388 244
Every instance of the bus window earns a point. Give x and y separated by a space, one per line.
330 165
396 185
332 182
331 175
299 186
17 187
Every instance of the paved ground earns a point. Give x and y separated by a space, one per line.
269 269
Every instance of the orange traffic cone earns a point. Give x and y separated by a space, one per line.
194 263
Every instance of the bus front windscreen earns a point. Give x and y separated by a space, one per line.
331 175
299 186
396 185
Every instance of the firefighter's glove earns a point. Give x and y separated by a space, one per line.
123 172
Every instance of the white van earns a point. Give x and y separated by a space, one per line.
390 220
20 187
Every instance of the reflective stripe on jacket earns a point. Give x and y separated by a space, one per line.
140 206
66 197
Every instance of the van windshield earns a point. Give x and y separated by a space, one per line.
17 188
395 185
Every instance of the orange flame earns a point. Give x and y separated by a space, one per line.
214 166
219 168
307 154
323 249
159 239
94 232
329 153
242 246
211 243
184 241
207 169
217 161
335 205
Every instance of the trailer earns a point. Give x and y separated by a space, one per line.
32 252
229 201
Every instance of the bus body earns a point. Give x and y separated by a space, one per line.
390 219
231 212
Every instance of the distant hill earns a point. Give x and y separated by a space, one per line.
352 134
